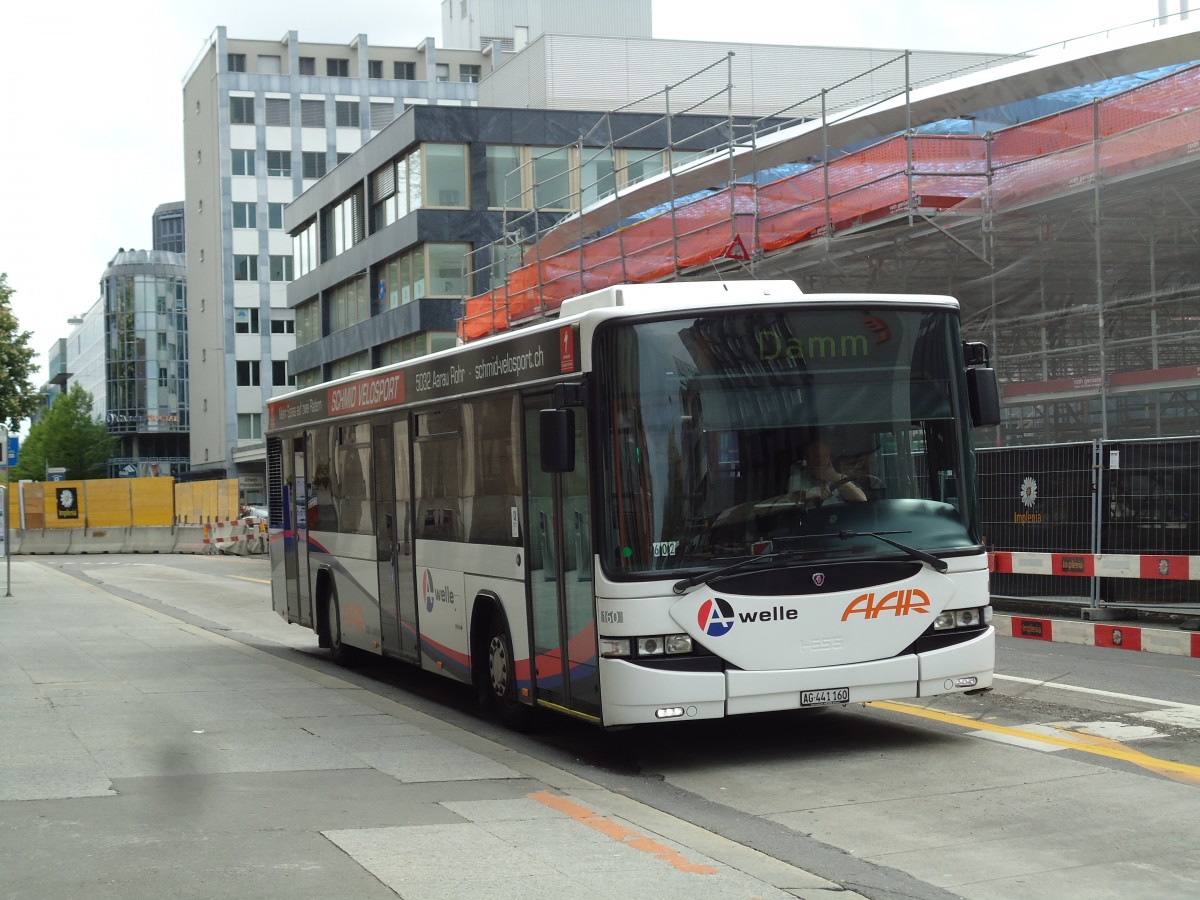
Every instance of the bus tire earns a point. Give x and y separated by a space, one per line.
501 677
339 652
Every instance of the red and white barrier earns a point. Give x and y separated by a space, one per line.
240 537
1119 635
1153 566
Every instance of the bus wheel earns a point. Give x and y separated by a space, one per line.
502 676
338 651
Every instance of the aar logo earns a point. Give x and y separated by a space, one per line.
715 617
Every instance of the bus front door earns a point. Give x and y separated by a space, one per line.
559 551
301 611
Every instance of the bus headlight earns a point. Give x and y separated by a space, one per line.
649 645
614 646
960 618
679 643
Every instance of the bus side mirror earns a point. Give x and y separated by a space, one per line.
983 395
557 440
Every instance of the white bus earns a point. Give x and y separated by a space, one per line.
610 514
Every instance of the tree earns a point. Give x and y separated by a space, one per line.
68 436
18 399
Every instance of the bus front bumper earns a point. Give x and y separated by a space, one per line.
634 694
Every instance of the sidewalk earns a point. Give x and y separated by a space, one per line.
144 757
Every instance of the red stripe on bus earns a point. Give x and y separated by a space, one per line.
1196 645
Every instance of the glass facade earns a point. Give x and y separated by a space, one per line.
140 380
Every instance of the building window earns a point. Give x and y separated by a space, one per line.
243 162
504 177
247 372
374 68
249 426
382 112
162 377
241 110
308 65
279 374
637 165
275 215
312 113
446 175
308 322
551 177
351 304
281 268
442 72
341 158
245 268
279 162
313 164
446 276
283 326
269 65
597 176
245 215
278 111
347 113
404 71
236 62
469 74
337 67
245 321
405 277
346 223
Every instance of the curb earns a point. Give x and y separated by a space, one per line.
1099 634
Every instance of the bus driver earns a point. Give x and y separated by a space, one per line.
814 479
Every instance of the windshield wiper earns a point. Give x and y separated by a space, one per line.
680 586
939 564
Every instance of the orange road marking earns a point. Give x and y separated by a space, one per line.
619 833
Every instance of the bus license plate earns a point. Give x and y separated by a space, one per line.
824 698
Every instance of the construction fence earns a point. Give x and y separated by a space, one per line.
1097 524
130 515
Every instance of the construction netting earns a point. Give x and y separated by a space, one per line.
930 175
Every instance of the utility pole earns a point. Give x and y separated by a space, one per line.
4 513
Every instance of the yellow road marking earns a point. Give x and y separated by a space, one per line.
619 833
1083 743
248 578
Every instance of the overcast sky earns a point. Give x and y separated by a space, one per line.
91 98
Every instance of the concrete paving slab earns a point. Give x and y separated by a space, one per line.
178 762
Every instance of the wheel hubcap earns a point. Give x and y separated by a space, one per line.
498 660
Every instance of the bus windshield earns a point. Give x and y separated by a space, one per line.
802 430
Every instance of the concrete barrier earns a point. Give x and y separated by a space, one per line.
35 541
190 539
99 540
152 539
239 537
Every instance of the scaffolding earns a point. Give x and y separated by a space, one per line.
1070 240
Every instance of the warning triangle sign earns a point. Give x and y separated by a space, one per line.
737 250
